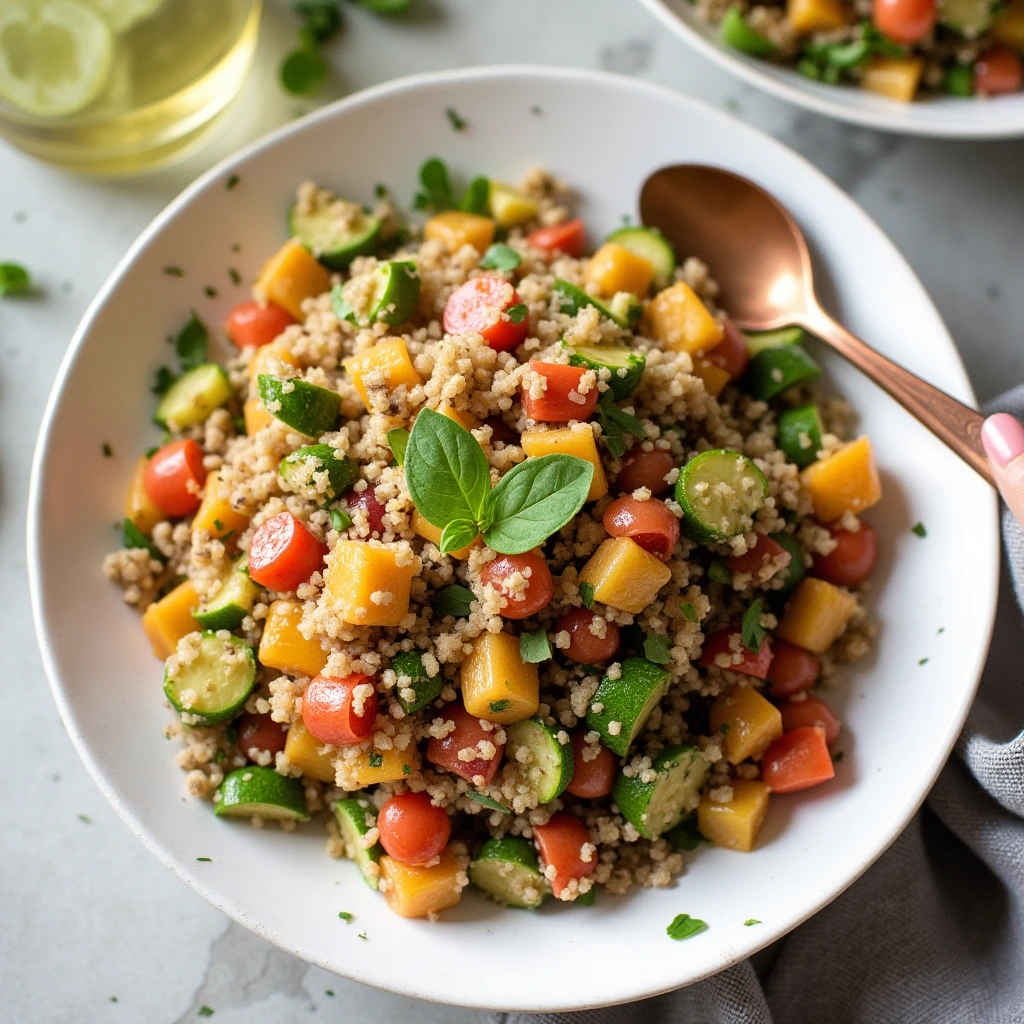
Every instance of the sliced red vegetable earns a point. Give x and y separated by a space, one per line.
340 711
852 560
560 844
725 649
810 711
468 733
646 469
251 324
731 353
174 477
998 71
283 553
586 646
503 572
367 501
412 829
594 778
651 524
569 237
561 400
797 760
260 732
756 559
792 670
481 306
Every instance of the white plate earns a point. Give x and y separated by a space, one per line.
939 116
604 134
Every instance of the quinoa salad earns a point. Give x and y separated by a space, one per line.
901 49
515 567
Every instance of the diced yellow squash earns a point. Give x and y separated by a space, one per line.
678 320
454 229
458 416
816 615
753 722
290 276
386 766
283 647
428 531
810 16
496 683
569 441
1009 26
415 891
215 514
270 359
256 417
390 366
845 481
303 750
509 207
613 268
714 377
895 77
624 575
735 824
138 506
365 585
166 621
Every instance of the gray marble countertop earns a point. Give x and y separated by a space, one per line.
93 928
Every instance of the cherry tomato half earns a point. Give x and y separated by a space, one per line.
646 469
524 580
340 711
725 649
174 477
852 560
651 524
560 843
585 645
905 21
810 711
251 324
569 238
372 507
561 400
594 778
481 306
468 732
283 553
793 669
412 829
764 553
731 353
998 71
260 732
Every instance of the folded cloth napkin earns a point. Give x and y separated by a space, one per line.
934 931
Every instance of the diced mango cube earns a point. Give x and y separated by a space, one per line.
271 359
138 506
1009 26
458 416
569 441
382 368
735 824
385 766
845 481
283 647
624 575
428 531
215 514
510 207
256 417
753 722
290 276
415 891
810 16
678 320
816 615
497 684
367 585
614 268
895 77
304 751
166 621
454 229
714 377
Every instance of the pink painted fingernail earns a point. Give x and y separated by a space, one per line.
1003 437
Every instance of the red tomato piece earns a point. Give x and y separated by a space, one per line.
340 711
586 646
370 504
507 572
646 469
468 732
569 237
260 732
480 306
810 711
502 432
412 829
651 524
797 760
174 477
591 779
729 642
755 560
251 324
905 21
998 71
560 843
852 560
792 670
557 405
731 353
283 553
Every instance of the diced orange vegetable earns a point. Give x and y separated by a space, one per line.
735 824
304 751
613 268
714 377
798 760
753 723
415 891
386 766
679 321
256 416
578 441
817 615
428 531
497 684
509 206
166 621
895 77
215 514
1009 26
272 359
454 229
625 576
283 647
810 16
845 481
381 369
365 585
458 416
138 506
290 276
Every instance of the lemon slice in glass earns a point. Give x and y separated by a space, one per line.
55 55
123 14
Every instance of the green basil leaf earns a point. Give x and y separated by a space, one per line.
686 607
534 500
500 257
191 343
398 440
453 600
751 632
437 189
658 648
683 926
446 470
517 313
587 595
340 519
457 534
534 647
477 194
135 538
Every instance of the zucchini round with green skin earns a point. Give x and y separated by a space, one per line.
626 703
299 470
507 870
736 31
719 491
800 433
625 365
758 341
549 768
655 807
408 666
232 602
570 299
193 396
396 292
335 241
355 817
970 18
256 790
305 407
217 683
626 307
797 568
651 245
775 369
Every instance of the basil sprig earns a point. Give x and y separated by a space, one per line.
450 484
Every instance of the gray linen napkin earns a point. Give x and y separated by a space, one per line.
934 932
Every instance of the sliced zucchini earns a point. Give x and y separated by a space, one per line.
736 31
758 341
257 790
549 768
507 870
408 666
509 207
657 806
653 246
299 471
626 703
193 396
797 568
355 818
214 687
626 306
958 80
772 371
800 433
309 409
232 602
335 234
571 299
396 292
970 18
626 366
719 491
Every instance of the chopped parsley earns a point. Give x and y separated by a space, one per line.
205 860
85 818
346 917
485 801
210 292
191 342
340 519
536 111
500 257
205 1011
218 524
376 760
686 607
362 935
534 646
218 758
232 181
236 277
107 450
162 381
329 991
751 632
517 313
587 594
918 528
497 706
458 124
436 191
305 69
406 770
615 424
173 271
750 921
942 629
922 661
683 926
719 572
658 649
231 734
14 278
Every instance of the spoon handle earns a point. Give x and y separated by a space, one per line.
951 421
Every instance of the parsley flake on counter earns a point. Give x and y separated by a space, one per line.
328 991
919 530
362 935
536 111
346 917
922 661
210 292
683 926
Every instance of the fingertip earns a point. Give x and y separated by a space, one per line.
1003 438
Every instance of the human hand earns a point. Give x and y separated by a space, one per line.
1003 438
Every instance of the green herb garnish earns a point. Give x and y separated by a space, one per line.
517 313
922 661
686 607
751 632
686 835
534 647
485 801
658 648
236 277
406 769
205 1011
320 18
210 292
615 424
587 594
497 706
340 519
205 860
162 381
14 278
107 450
919 530
232 181
376 760
720 572
362 935
85 818
191 343
750 921
452 600
135 538
476 196
456 535
345 916
173 271
437 189
500 257
536 111
683 926
398 441
304 70
458 124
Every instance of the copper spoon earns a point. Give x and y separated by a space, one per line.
759 257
